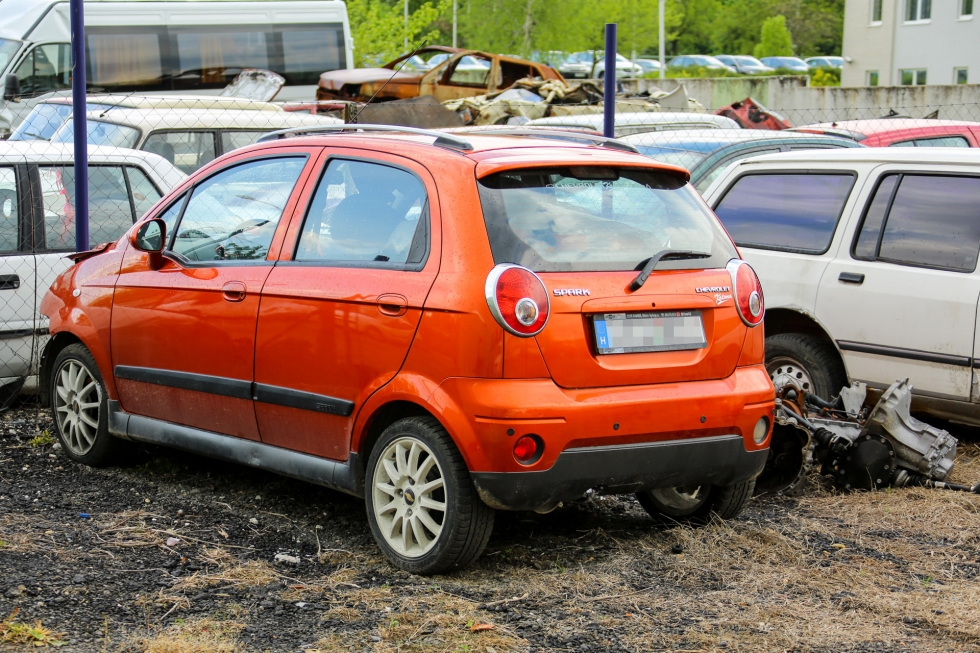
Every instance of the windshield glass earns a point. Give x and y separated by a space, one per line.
8 49
100 133
597 218
41 122
676 155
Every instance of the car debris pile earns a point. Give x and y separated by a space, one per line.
857 447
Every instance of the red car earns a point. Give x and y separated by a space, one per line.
442 324
902 132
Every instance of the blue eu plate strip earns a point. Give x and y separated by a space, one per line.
601 336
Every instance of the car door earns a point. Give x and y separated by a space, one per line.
901 299
183 336
17 273
341 307
468 75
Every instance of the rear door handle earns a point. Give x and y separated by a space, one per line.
233 291
851 277
392 305
9 282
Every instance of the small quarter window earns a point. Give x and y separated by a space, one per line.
366 214
233 215
794 212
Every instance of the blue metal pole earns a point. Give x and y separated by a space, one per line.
609 91
78 118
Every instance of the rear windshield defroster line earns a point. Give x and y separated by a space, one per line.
582 219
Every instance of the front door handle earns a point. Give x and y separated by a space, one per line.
392 305
851 277
233 291
9 282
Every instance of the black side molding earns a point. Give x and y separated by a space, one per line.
335 475
910 354
219 385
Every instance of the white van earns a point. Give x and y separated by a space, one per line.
172 46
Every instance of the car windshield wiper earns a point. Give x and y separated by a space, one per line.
653 261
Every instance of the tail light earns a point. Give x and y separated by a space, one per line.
517 299
748 292
528 449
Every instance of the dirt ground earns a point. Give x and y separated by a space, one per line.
176 554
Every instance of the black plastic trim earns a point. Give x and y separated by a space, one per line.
216 385
270 394
16 333
910 354
321 471
623 469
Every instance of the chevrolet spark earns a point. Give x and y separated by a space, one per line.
443 325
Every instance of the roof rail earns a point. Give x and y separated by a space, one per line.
442 139
560 135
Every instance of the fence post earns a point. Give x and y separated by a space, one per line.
609 90
78 119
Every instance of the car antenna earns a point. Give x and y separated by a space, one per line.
398 70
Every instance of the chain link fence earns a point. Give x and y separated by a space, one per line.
142 146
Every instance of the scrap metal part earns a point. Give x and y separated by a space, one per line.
857 448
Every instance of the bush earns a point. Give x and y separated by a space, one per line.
825 77
699 72
775 41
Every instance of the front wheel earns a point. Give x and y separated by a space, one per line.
423 509
696 504
80 407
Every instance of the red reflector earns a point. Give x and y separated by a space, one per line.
527 449
748 292
517 299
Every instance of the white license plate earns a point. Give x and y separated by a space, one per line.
627 333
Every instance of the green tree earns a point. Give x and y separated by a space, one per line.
776 41
378 28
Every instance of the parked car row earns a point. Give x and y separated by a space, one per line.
591 64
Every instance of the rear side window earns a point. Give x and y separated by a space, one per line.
939 141
928 221
598 218
793 212
110 211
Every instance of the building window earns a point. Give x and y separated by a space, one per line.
917 10
872 78
913 76
966 9
876 12
960 76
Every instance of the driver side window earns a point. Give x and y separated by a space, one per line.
234 214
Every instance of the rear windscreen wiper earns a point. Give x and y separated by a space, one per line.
654 260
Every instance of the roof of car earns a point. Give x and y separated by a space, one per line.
876 155
150 119
136 100
595 120
64 153
723 136
884 125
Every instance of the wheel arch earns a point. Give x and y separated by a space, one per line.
788 320
55 344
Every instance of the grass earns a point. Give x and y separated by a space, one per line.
45 439
35 635
195 636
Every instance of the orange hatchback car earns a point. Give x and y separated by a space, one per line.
442 324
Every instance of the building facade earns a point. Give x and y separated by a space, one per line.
911 42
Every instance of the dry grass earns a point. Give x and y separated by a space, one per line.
194 636
33 635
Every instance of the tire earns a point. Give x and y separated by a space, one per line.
673 505
80 408
446 539
813 361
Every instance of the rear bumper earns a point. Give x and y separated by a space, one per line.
621 469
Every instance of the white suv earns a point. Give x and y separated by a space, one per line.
868 258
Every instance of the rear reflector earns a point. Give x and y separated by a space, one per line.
749 300
517 299
528 449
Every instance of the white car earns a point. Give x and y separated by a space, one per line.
640 122
588 65
37 230
868 258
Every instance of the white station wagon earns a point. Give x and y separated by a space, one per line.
868 258
37 230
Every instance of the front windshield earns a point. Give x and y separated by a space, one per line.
100 133
581 218
8 48
43 121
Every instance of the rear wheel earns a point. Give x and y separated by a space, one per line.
423 509
80 408
807 361
696 504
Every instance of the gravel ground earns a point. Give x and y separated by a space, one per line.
177 554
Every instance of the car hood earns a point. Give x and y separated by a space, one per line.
335 79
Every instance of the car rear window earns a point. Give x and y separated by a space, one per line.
795 212
597 218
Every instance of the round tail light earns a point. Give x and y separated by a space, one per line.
749 301
528 449
517 299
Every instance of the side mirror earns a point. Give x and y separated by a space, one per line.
11 87
151 238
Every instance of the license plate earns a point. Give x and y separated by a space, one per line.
627 333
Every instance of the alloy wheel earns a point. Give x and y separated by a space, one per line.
409 497
77 403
